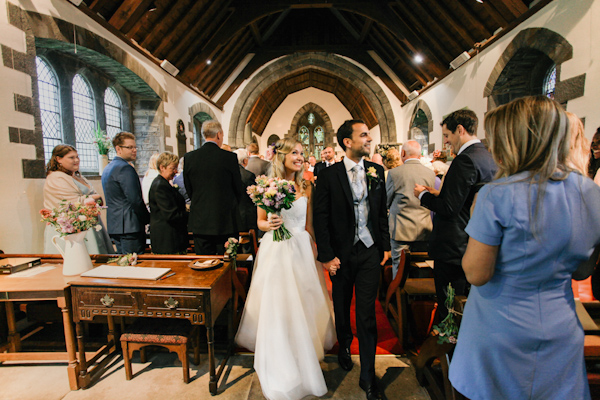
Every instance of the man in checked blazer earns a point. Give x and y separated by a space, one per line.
409 222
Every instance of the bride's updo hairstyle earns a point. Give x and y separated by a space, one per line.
282 148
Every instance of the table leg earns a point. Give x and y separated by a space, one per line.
111 330
73 368
83 376
14 339
210 336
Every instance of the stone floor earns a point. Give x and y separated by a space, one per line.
161 378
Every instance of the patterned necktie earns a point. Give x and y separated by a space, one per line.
357 186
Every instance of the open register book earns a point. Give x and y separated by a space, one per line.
116 272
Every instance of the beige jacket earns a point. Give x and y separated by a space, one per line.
60 186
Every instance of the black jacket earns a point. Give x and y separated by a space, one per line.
246 207
334 219
467 174
212 180
168 218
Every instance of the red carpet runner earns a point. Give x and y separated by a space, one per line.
387 342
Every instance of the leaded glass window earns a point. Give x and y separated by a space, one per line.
550 83
49 107
113 112
311 134
85 123
304 137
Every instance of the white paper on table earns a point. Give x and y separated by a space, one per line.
116 272
32 271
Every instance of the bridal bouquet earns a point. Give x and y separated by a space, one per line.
70 218
274 195
448 329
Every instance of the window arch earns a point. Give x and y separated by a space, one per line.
49 107
85 121
311 134
113 110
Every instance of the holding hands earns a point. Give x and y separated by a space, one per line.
332 266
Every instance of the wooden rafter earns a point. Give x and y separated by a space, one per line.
128 13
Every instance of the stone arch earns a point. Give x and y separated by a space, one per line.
554 49
329 132
327 62
193 110
422 105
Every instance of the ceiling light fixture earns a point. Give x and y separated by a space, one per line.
418 59
479 1
208 62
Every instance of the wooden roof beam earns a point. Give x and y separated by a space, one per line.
128 13
255 33
345 23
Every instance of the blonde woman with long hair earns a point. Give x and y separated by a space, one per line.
533 229
287 319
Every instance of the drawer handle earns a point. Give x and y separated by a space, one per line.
171 303
107 301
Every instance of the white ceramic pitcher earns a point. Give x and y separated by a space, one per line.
76 257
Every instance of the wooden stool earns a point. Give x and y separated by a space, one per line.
172 334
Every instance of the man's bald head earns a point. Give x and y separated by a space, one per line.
411 149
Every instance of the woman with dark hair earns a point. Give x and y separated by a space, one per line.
594 164
168 217
65 182
534 228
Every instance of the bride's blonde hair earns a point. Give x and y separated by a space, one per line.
282 148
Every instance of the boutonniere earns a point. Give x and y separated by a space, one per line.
176 186
372 176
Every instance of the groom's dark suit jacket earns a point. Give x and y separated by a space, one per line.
334 219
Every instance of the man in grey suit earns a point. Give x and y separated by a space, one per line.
255 165
409 222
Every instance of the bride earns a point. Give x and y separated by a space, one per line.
287 319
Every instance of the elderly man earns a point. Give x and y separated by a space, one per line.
472 167
327 160
127 214
409 222
255 164
213 182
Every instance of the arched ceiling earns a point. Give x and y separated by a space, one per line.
348 94
218 44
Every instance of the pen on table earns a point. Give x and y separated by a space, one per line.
166 276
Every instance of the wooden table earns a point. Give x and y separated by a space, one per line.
198 296
49 285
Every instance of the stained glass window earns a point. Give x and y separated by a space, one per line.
85 123
112 110
550 83
319 135
311 118
304 136
49 107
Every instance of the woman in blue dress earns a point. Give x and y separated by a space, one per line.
531 229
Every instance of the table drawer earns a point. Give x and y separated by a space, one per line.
169 301
108 298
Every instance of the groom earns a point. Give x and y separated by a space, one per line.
353 240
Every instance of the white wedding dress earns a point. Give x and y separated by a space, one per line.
288 318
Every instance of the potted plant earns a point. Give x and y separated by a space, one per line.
104 144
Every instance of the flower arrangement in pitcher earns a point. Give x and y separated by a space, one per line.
70 218
102 141
274 195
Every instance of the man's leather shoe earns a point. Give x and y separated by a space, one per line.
344 359
371 389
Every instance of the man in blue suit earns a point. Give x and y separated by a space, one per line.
127 214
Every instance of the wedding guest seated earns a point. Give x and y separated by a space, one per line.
168 217
533 229
307 175
65 182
